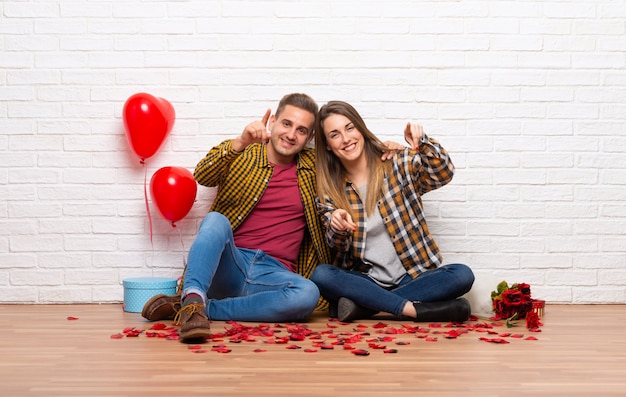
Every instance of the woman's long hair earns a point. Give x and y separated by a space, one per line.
331 174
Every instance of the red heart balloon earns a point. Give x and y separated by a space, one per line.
147 120
174 192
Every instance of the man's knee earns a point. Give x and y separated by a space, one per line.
214 222
312 292
305 300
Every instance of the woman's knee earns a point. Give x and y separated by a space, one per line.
467 273
322 273
464 276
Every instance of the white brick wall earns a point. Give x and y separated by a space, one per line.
528 96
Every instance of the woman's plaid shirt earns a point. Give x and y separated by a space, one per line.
241 179
413 174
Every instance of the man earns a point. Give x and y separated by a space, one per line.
257 247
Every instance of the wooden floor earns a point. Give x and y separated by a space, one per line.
581 351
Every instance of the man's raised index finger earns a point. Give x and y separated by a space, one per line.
266 117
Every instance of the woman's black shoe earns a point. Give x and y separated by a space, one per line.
456 310
348 311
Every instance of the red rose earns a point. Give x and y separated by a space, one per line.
532 320
524 289
512 297
503 310
511 303
525 307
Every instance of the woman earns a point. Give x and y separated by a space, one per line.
387 260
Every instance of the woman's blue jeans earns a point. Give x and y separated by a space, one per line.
243 284
444 283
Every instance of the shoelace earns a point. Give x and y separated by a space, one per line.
190 309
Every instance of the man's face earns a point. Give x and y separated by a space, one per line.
290 133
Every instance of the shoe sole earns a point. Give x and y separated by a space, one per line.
199 333
346 310
145 312
148 304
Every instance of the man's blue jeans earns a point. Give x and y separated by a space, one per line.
444 283
243 284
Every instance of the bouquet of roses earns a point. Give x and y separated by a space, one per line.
511 302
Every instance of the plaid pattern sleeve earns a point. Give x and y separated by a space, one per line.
211 170
339 240
241 179
348 245
433 165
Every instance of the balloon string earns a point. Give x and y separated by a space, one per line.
181 279
145 195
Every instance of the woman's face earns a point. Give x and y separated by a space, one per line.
342 138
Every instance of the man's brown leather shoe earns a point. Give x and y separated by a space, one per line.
161 307
194 323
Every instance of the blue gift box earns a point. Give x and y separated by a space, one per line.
137 291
